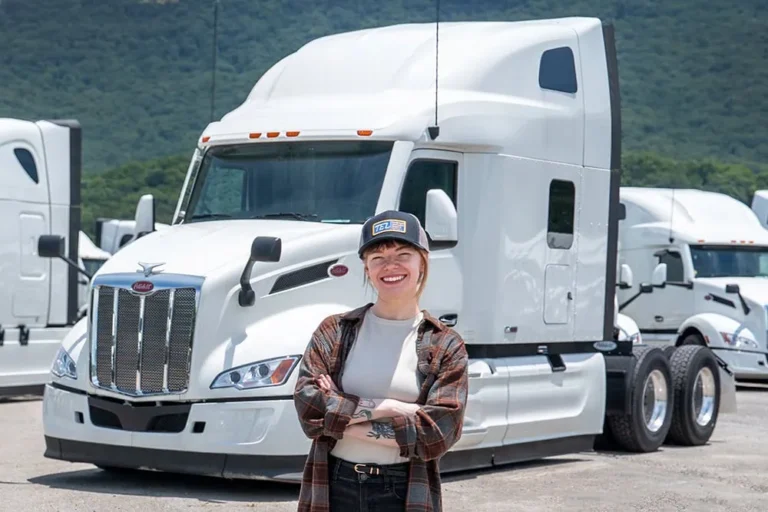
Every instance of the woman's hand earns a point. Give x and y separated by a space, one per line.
326 384
398 408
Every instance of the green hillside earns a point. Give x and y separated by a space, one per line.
136 73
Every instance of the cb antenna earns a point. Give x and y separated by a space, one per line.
213 52
671 215
434 131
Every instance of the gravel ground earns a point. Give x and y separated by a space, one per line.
726 475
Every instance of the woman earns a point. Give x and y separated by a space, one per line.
382 389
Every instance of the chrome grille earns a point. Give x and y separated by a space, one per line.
141 344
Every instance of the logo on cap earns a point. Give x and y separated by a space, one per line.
393 225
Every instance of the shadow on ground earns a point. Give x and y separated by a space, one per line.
169 485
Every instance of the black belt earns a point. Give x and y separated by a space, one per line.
370 469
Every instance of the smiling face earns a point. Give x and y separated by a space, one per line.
395 270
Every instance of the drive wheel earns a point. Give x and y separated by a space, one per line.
696 389
645 426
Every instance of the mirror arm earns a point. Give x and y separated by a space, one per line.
246 297
75 266
632 298
744 306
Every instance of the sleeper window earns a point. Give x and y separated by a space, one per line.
560 218
27 161
422 176
557 70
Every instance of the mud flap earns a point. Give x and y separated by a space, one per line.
727 391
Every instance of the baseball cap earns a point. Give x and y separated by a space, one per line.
393 225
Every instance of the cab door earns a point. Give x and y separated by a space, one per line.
429 169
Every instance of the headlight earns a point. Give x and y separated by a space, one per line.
261 374
738 341
63 365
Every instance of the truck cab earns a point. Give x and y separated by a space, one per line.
704 256
187 358
39 195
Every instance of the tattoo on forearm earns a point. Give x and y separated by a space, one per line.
363 413
381 429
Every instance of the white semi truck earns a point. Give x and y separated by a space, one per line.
187 359
701 262
39 195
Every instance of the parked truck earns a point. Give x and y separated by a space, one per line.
187 359
701 262
39 195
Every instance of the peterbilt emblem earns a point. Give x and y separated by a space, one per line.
142 287
149 268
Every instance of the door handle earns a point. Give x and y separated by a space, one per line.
450 319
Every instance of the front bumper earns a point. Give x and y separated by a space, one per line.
257 439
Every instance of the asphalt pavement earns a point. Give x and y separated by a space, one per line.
729 474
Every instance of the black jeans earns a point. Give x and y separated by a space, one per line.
353 491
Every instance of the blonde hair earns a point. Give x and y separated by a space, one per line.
387 244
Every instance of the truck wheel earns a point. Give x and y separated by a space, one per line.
696 389
669 350
645 426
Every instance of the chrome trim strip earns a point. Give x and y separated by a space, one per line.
160 281
139 342
171 298
93 334
115 304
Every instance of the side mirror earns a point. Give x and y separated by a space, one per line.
51 246
732 288
659 275
145 216
54 246
441 218
263 248
625 276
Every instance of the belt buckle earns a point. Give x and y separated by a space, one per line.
366 472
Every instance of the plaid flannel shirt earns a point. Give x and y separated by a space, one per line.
443 379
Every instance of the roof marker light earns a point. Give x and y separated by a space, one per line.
254 135
291 134
206 138
272 135
365 133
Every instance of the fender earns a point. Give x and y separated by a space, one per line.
711 325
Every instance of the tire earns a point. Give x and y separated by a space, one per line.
693 339
631 430
696 388
669 350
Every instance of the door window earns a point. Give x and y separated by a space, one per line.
422 176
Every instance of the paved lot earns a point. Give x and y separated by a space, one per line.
731 474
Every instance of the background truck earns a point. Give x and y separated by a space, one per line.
39 195
704 257
187 359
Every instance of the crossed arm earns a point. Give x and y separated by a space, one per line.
371 420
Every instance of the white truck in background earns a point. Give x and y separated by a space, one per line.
187 359
114 234
39 195
701 259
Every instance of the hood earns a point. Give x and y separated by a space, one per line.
202 248
752 288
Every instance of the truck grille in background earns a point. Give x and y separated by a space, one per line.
141 344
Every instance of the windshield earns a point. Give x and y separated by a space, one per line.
729 261
324 181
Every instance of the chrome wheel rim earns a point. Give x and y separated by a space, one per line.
703 399
655 392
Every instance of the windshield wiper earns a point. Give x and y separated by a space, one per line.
211 216
289 215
